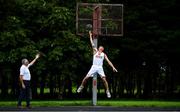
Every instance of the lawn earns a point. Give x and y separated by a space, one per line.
120 103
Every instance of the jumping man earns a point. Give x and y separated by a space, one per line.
97 67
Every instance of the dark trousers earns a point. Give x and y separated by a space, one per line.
25 93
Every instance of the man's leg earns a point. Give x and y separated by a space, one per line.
27 84
106 86
21 96
103 77
84 80
105 83
89 74
82 84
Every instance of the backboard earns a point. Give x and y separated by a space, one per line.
102 19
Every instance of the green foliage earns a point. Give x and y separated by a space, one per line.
45 26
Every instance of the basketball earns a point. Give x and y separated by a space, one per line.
88 27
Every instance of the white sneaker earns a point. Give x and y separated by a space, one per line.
108 94
80 89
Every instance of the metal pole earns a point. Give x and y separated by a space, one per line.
96 26
94 82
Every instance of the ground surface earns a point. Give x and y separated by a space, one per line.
91 108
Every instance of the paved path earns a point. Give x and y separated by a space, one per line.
90 109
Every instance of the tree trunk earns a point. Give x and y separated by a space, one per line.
147 86
51 85
4 87
42 85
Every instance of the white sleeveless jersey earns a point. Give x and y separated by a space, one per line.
98 59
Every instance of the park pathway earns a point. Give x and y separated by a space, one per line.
90 109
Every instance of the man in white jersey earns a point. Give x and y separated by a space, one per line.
97 67
25 77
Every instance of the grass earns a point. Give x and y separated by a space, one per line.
141 103
124 103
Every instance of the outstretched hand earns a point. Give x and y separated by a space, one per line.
115 70
37 56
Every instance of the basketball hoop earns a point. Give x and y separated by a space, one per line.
105 19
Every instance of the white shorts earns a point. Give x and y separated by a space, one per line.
96 69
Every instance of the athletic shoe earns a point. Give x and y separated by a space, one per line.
108 94
80 89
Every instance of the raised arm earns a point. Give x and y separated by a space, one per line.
33 61
92 43
109 62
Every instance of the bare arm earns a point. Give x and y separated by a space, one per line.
92 43
21 81
109 62
33 61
